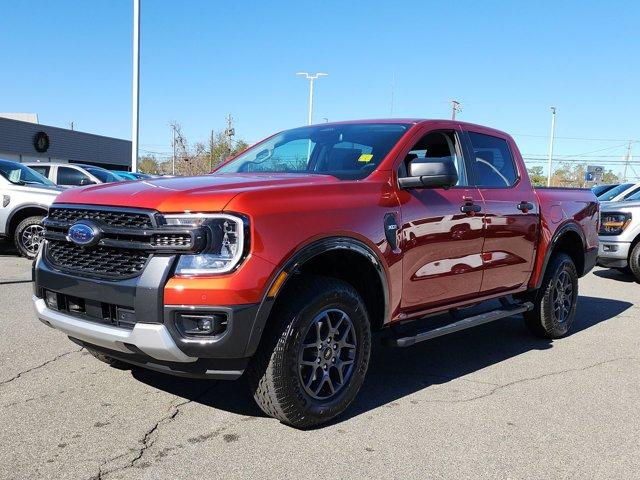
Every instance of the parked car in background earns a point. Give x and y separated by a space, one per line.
620 236
67 175
601 189
621 192
26 196
133 175
283 261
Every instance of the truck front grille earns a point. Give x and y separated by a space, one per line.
103 262
111 218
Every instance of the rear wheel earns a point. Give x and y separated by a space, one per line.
313 360
28 236
634 261
555 302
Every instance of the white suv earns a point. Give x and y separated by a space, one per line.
25 197
67 175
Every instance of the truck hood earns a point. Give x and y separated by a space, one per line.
207 193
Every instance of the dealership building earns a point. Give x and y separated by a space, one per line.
23 139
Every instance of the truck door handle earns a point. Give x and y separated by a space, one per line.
525 206
470 208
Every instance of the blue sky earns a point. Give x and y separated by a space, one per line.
507 62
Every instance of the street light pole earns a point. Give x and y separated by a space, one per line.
311 77
135 103
456 107
553 134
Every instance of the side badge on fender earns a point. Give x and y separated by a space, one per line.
391 230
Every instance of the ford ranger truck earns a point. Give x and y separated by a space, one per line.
280 264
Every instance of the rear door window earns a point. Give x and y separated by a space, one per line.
72 177
41 169
492 161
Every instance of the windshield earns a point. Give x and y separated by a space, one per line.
600 189
22 175
635 196
103 175
345 151
614 192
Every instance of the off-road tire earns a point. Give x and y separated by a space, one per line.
18 239
634 261
542 321
273 374
112 362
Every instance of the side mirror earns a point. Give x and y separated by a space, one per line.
85 181
430 173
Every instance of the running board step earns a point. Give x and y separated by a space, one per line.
469 322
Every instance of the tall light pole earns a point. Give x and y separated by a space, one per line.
551 138
311 77
135 102
456 107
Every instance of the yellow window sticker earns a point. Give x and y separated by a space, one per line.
365 157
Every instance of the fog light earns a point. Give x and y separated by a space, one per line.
51 299
201 324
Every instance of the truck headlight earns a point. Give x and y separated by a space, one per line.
225 243
614 223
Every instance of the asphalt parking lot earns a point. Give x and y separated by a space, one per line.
487 403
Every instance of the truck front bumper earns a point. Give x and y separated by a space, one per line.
613 254
151 339
149 335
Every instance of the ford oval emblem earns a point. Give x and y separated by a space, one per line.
84 234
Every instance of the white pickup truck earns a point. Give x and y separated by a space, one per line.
620 235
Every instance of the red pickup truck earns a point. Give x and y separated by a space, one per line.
281 263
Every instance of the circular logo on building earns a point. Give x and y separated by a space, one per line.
84 234
41 142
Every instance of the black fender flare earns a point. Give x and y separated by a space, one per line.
570 226
299 258
14 212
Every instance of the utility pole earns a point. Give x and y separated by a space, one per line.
456 107
173 143
627 160
230 132
311 77
135 103
551 139
211 152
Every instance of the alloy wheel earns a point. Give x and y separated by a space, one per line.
31 238
562 297
327 354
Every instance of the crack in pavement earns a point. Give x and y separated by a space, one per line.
147 441
530 379
56 358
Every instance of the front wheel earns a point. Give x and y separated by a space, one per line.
634 261
313 359
555 302
28 236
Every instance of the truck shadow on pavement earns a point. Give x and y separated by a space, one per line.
612 274
397 372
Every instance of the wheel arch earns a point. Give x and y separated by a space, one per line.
333 257
22 212
568 239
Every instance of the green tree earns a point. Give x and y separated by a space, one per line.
536 176
148 164
610 177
